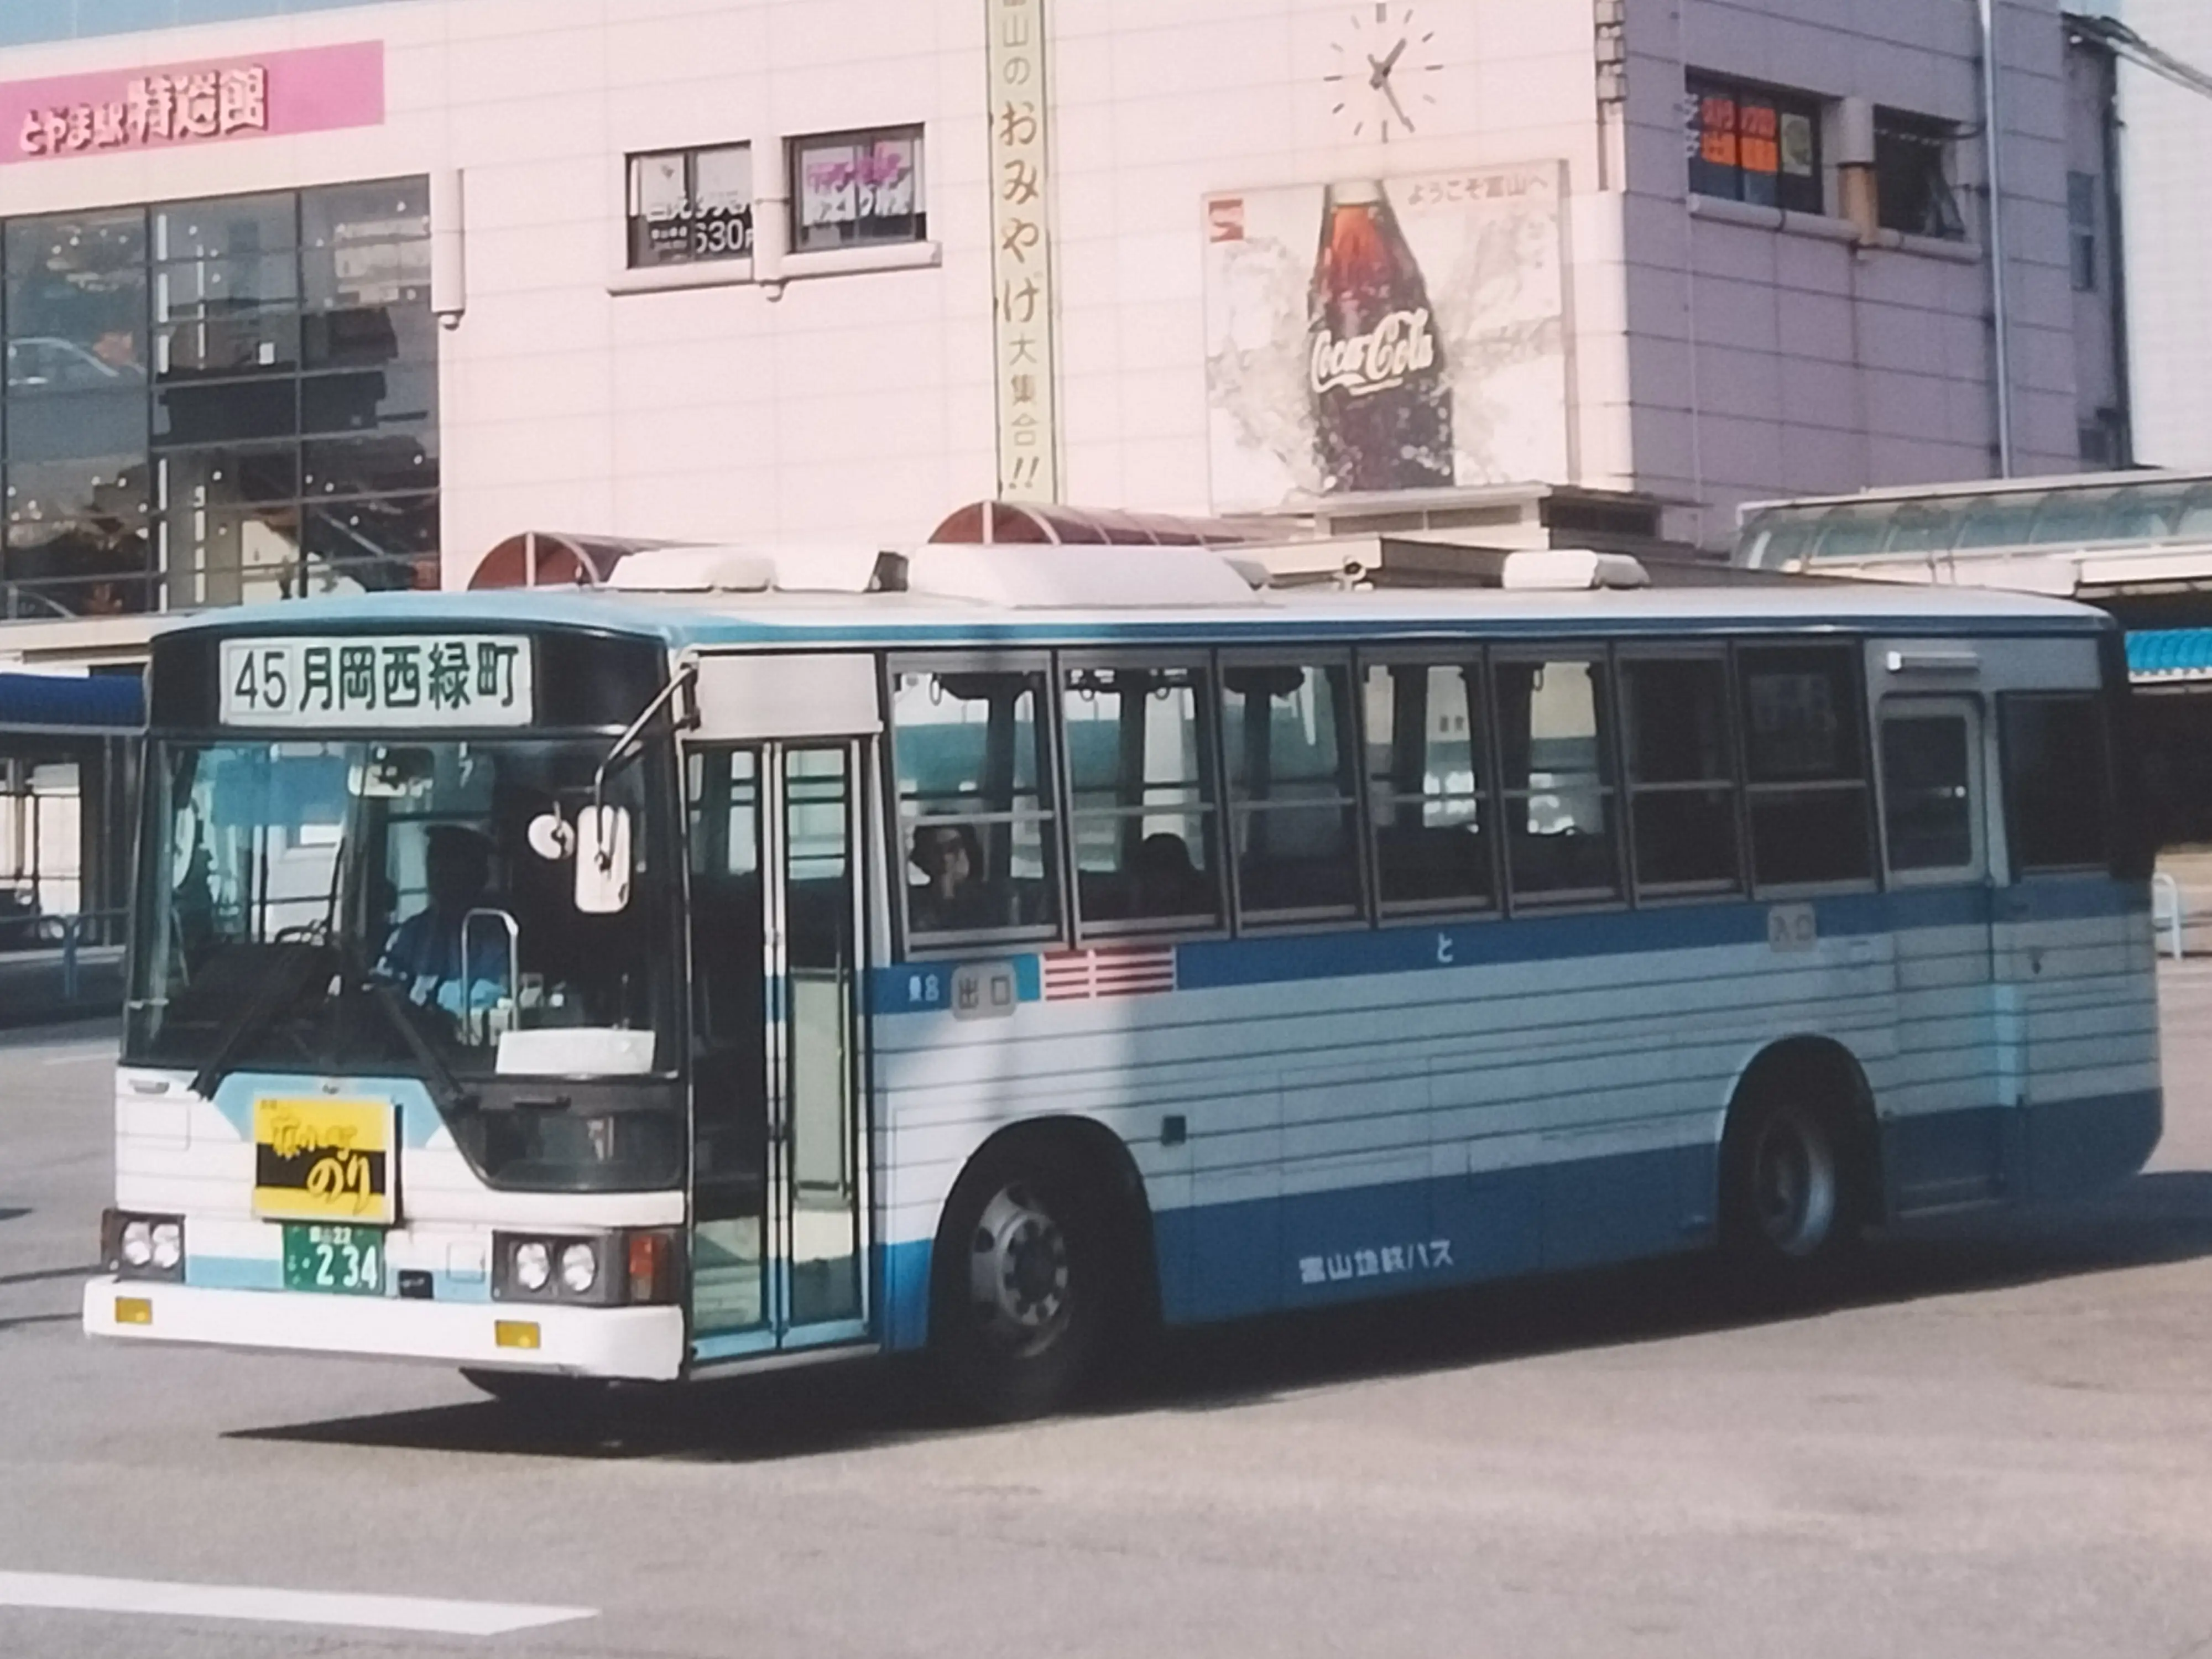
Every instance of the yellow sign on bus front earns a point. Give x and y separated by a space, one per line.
323 1160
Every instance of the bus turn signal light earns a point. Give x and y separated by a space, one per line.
652 1267
133 1310
515 1333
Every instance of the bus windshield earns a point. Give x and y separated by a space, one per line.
370 906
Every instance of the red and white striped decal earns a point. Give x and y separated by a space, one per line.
1129 971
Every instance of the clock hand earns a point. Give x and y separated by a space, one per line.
1383 66
1391 93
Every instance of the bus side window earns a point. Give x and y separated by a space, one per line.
1427 764
2058 794
1805 765
976 837
1681 774
1554 740
1141 801
1286 747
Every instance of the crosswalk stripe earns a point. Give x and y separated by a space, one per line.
74 1593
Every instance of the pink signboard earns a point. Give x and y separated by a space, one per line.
313 90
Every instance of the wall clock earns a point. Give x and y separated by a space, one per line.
1380 79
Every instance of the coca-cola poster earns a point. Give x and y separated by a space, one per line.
1385 334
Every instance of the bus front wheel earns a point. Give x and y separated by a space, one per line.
1021 1291
1793 1201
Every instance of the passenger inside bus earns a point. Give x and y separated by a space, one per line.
1165 881
953 895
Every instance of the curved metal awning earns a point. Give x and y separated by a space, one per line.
1037 524
554 558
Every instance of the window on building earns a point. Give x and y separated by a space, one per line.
1287 749
1912 176
1749 144
1427 752
1806 767
974 803
221 400
688 205
851 188
1555 779
77 473
2082 192
1681 774
2056 782
1140 800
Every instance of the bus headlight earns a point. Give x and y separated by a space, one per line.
579 1269
619 1269
533 1264
168 1244
137 1243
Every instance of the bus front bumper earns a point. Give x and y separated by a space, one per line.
644 1344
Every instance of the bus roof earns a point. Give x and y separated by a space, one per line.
773 619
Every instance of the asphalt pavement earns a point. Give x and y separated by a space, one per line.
2001 1445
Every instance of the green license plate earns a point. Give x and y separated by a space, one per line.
339 1260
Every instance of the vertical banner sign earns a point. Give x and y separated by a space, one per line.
1021 255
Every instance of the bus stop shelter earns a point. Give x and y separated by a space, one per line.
68 759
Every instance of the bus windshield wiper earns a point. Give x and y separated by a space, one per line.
292 968
446 1090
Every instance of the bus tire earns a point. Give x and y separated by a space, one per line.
1021 1293
1795 1188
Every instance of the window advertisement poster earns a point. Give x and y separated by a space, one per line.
1386 334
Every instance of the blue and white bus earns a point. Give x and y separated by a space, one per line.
992 949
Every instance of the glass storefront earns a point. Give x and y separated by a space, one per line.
214 401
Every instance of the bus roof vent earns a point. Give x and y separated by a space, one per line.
1032 578
1570 569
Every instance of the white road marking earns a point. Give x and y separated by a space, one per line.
72 1592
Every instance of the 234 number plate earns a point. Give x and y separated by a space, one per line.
341 1260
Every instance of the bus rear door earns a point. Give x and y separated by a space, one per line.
1953 1139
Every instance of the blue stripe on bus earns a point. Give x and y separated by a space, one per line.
1311 1249
1407 947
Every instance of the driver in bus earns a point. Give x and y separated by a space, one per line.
952 895
424 954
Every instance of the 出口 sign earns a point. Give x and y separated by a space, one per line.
317 89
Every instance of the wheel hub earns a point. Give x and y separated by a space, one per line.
1018 1271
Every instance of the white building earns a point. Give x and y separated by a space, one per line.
2167 148
811 269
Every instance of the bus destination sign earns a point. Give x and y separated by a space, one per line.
378 681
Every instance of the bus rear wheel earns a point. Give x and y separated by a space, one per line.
1793 1200
1021 1284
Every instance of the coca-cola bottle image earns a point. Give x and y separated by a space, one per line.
1382 405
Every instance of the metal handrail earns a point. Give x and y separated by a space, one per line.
73 930
2168 913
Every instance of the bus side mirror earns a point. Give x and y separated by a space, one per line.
603 860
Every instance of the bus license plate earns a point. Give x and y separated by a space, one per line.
339 1260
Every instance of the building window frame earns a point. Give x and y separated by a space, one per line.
2082 213
1915 165
694 230
885 209
1755 143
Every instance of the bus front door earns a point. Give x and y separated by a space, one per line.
778 1245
